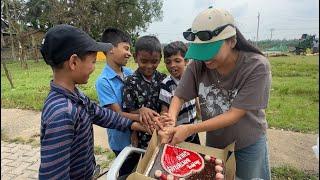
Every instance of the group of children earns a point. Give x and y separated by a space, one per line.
144 94
131 103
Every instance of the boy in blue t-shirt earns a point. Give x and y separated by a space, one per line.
109 86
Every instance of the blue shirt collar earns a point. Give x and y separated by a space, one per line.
110 73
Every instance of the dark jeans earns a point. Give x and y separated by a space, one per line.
129 164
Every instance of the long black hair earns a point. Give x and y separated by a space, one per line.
245 45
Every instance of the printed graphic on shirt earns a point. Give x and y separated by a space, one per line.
215 100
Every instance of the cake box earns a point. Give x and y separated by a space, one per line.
191 156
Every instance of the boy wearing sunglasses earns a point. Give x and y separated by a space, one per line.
232 80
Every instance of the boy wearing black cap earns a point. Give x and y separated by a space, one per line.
67 116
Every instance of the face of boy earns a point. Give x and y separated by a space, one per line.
175 65
121 54
148 62
83 68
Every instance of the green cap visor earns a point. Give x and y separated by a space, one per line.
203 51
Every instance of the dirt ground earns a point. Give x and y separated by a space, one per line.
285 147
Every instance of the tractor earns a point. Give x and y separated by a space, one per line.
307 42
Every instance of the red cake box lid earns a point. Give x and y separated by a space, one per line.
181 162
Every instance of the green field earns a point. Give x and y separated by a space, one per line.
293 105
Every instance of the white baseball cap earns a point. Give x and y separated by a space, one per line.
209 29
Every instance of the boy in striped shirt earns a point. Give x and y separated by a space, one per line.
67 116
175 64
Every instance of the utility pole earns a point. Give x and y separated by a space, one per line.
257 39
271 30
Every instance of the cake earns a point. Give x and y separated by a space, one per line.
172 162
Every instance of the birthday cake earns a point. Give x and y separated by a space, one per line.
175 163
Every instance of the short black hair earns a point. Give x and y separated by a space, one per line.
81 55
148 43
115 36
174 48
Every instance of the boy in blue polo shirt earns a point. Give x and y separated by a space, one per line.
109 86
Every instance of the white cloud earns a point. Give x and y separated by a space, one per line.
288 18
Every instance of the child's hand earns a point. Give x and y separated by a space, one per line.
146 117
167 120
134 139
158 125
136 126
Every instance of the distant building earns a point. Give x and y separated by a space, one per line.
4 32
30 40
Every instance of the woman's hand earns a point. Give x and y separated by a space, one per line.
175 135
164 136
180 133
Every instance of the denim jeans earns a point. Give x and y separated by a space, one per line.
253 161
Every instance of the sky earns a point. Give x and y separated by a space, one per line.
284 19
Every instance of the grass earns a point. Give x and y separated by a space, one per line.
293 103
294 100
291 173
19 140
98 150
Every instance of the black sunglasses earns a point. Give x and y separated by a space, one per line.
204 35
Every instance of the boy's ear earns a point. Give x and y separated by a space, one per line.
186 62
73 61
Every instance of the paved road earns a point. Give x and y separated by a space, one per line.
21 162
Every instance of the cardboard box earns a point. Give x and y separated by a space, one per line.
226 154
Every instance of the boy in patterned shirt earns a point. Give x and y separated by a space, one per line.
141 90
175 63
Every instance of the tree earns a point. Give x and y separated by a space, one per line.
36 14
15 14
93 16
